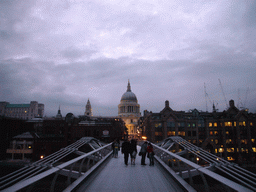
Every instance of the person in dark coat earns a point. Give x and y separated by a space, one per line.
150 154
143 152
126 149
133 151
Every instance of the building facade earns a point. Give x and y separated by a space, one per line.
129 111
229 134
22 111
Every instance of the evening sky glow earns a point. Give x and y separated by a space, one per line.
62 52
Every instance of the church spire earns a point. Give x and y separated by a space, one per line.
59 116
128 86
88 108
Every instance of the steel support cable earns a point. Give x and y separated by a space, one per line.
64 155
205 152
21 185
213 175
49 157
242 172
168 148
248 172
79 144
38 171
241 181
214 157
53 158
197 154
91 146
238 175
163 146
231 168
2 178
217 160
18 178
17 174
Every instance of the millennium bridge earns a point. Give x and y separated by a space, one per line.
88 165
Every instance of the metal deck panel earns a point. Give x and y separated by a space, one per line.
116 176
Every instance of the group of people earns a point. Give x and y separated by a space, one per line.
130 148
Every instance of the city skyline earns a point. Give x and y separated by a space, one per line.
63 53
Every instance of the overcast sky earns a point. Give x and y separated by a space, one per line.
62 52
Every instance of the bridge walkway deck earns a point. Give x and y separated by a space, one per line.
116 176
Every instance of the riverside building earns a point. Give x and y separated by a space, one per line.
230 134
22 111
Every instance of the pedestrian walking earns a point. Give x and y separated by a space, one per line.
150 154
115 147
126 149
143 152
133 151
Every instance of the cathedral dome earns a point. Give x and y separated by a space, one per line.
129 95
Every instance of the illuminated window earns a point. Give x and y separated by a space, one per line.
216 133
171 133
216 150
215 124
228 141
254 149
227 133
251 124
230 158
230 150
158 134
216 141
228 124
253 140
210 124
211 132
242 123
235 124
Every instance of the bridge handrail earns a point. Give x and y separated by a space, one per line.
25 183
204 170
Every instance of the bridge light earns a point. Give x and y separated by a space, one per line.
197 158
144 137
41 157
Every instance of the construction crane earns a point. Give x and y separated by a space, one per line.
243 104
207 97
246 94
223 94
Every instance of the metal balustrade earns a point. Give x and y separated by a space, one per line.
74 169
242 180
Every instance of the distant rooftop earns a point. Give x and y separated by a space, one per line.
17 105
